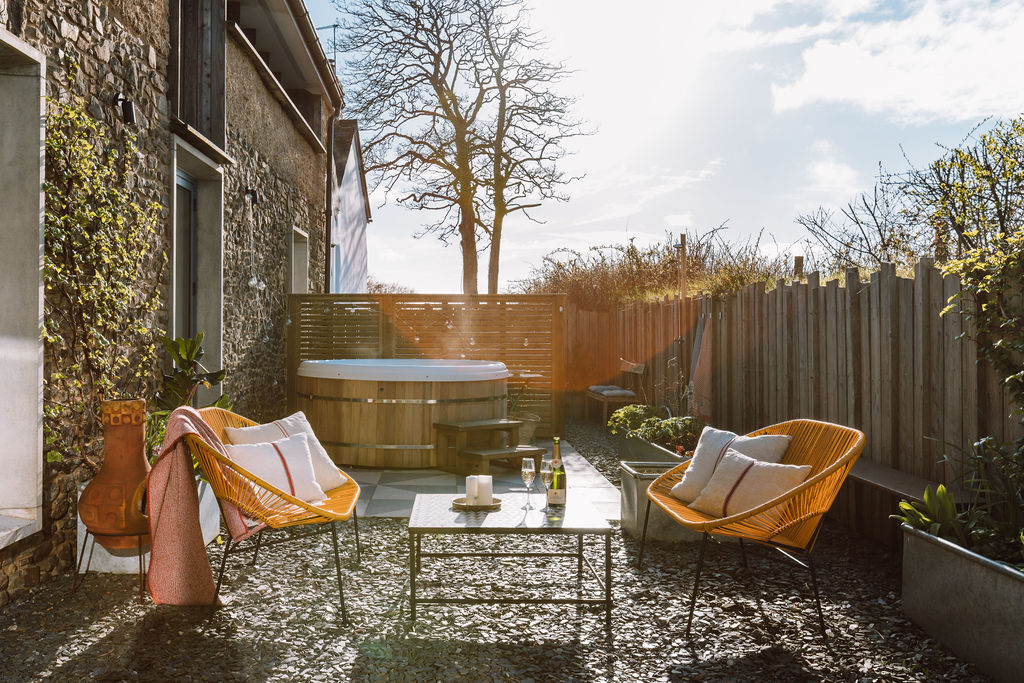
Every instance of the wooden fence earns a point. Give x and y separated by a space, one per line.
876 355
525 332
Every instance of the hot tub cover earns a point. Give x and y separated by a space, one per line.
405 369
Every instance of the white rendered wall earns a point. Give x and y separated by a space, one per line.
348 255
21 309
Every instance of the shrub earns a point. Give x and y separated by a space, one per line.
628 419
675 433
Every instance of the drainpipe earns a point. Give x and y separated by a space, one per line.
329 197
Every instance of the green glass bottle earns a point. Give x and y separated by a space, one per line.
556 492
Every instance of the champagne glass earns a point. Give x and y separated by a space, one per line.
528 474
546 475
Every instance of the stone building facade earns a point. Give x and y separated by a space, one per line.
243 172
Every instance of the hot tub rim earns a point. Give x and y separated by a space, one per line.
404 370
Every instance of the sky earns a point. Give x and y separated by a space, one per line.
746 112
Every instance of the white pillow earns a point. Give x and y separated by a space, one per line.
710 448
327 474
618 393
285 464
741 483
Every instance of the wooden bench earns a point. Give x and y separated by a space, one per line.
633 373
893 481
452 438
872 493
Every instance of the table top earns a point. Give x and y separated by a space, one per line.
433 513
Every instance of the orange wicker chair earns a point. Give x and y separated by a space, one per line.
791 522
260 500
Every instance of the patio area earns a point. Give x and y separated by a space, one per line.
281 620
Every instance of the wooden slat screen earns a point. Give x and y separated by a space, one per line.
524 332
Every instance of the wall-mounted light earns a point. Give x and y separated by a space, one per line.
127 109
252 195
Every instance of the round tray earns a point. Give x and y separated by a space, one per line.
460 504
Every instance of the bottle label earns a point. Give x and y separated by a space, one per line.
556 496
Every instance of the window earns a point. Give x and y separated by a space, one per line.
196 71
21 233
300 262
186 286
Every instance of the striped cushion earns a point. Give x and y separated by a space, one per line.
741 483
327 474
284 464
712 445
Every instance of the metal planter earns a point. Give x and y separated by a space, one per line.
635 449
636 477
972 605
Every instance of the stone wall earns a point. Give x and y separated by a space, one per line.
120 46
288 174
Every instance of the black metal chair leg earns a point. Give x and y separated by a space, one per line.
256 553
142 590
817 598
76 582
743 556
337 569
696 582
643 536
355 527
220 574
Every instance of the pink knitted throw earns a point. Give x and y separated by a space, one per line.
179 569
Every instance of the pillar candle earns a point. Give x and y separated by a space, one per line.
484 489
472 490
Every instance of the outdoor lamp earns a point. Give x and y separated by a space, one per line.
127 109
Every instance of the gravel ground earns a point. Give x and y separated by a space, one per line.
281 622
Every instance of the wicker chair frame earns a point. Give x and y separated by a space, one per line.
262 501
790 522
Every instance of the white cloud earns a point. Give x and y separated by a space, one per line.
829 178
938 63
634 190
679 220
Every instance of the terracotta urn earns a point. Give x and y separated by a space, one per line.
109 506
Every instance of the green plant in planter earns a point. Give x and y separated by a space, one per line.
181 385
992 523
627 420
936 515
678 434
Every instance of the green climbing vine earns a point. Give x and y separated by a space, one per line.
101 275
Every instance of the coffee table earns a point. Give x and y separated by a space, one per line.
433 514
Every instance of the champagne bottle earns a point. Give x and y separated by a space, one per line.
556 492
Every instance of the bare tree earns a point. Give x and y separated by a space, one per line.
461 115
412 80
528 122
872 229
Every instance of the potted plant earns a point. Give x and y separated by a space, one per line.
962 565
180 388
644 436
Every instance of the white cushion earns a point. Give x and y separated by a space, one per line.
625 393
741 483
712 445
601 388
285 464
327 474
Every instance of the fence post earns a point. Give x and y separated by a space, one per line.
558 363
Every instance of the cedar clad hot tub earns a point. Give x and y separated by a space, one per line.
381 412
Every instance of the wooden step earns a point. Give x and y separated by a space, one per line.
479 425
477 460
507 452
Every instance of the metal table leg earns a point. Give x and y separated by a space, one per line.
413 559
579 561
608 582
